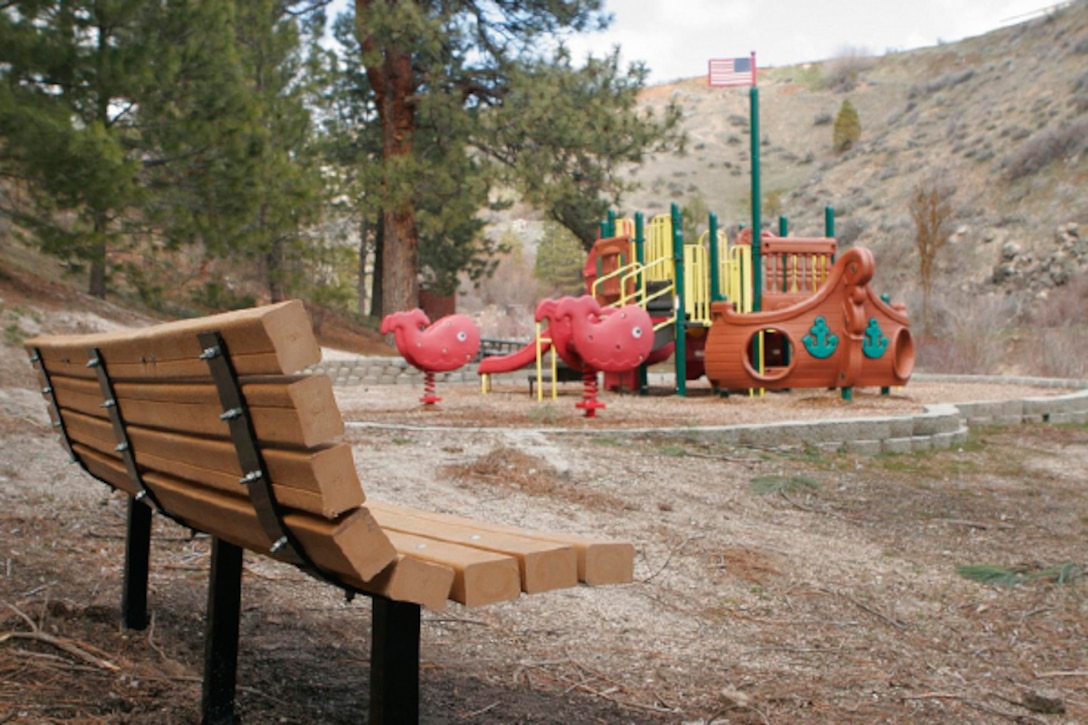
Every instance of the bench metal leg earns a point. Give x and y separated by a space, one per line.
221 634
137 559
394 663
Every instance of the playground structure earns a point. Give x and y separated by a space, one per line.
783 313
448 344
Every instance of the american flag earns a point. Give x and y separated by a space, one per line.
726 72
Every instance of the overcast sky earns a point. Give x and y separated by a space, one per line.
676 37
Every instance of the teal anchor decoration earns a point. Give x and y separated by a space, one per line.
820 343
875 342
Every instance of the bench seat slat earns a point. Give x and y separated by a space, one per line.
409 579
480 577
273 339
600 561
542 565
300 412
321 481
352 545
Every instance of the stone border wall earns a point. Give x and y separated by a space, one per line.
386 371
938 427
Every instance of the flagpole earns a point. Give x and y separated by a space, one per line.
757 219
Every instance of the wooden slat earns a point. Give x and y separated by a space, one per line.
274 339
543 565
600 561
298 411
480 577
321 481
352 545
409 579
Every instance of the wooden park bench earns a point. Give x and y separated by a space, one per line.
211 423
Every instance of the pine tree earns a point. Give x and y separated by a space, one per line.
284 182
71 74
448 187
442 78
847 130
236 170
559 260
566 136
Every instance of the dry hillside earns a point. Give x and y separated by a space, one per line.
1003 117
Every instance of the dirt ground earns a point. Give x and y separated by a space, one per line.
770 586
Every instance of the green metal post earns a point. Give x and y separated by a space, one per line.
611 223
829 225
783 231
715 261
640 255
757 220
680 356
757 225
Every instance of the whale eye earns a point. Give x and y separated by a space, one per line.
462 336
636 332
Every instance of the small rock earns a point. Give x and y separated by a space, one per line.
1046 704
735 698
1010 251
1002 272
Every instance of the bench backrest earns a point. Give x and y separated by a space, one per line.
161 389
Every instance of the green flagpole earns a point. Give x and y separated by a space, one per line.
757 219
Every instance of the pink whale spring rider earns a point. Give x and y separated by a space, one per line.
606 339
448 344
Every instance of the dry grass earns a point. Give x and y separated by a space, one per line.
505 469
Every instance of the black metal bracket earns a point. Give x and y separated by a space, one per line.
120 431
51 396
242 433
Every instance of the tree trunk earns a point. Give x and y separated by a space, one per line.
96 286
400 260
377 283
273 262
394 83
361 297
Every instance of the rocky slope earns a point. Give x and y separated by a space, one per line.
1001 120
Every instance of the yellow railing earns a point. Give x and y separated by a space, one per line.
697 284
658 246
736 279
540 340
624 274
